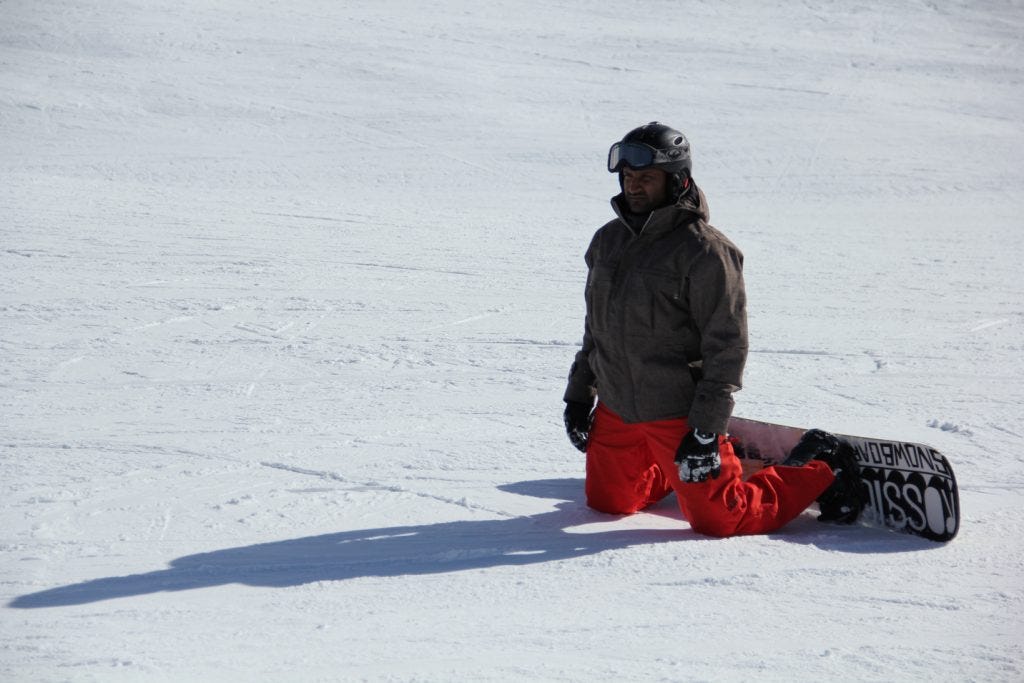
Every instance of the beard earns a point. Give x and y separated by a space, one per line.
641 203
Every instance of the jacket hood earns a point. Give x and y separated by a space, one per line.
694 201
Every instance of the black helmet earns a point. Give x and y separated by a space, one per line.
654 145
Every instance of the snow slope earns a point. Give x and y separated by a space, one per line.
291 289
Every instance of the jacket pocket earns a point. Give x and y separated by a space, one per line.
663 302
599 297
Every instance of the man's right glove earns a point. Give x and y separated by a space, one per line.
578 417
698 458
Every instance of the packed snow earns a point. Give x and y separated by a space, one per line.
291 291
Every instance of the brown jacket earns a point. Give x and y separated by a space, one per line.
666 328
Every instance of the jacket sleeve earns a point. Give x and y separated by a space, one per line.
582 382
581 387
719 308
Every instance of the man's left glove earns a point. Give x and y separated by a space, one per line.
698 458
578 417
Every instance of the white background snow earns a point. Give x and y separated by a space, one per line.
290 291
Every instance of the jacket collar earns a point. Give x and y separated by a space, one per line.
692 204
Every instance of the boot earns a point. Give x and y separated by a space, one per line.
843 501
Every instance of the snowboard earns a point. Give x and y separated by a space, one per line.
909 487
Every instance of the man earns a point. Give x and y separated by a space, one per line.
664 346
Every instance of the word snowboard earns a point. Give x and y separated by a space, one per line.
909 487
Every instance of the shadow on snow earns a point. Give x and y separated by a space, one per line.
391 551
430 549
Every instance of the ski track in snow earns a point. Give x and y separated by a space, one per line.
372 485
291 292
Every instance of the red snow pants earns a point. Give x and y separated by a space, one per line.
631 466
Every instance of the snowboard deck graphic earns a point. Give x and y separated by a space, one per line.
909 487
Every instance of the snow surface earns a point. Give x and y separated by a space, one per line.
290 291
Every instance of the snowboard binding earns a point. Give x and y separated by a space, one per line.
843 501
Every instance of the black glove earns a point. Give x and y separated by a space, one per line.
698 458
578 418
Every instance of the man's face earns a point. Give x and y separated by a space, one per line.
645 189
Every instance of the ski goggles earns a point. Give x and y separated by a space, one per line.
635 155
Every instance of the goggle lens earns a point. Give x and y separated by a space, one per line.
630 154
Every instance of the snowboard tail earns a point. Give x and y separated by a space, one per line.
909 487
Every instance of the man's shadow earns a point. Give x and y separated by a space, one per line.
390 551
